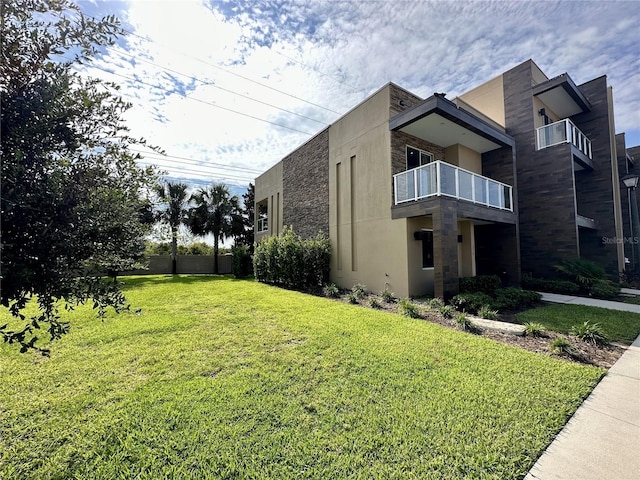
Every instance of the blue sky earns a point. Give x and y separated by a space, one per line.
228 88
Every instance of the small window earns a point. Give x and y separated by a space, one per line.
417 157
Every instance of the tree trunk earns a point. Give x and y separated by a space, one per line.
215 254
174 251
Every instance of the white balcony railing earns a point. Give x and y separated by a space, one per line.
440 178
263 224
563 131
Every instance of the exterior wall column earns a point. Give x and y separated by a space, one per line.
445 251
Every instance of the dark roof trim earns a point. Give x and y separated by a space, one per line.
439 105
567 84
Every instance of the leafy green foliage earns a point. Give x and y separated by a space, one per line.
359 290
353 298
512 298
487 312
590 332
534 329
618 326
289 261
564 287
446 311
374 303
216 373
464 323
487 284
471 302
213 212
74 206
591 277
408 309
242 263
388 296
436 303
331 290
561 346
172 210
164 248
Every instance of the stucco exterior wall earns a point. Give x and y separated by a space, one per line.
368 246
269 188
488 98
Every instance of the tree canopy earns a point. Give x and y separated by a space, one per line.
73 199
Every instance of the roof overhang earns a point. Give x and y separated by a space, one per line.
562 96
443 123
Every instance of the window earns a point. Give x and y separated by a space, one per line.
417 158
426 237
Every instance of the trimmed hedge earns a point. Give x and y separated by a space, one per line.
503 299
565 287
289 261
482 283
242 264
471 302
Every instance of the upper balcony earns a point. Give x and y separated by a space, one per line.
565 131
440 178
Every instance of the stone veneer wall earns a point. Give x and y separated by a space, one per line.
400 95
306 187
545 190
594 189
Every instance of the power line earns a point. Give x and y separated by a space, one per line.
196 99
198 162
212 84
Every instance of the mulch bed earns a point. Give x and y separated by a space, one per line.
583 353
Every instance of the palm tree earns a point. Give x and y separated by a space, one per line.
213 213
174 196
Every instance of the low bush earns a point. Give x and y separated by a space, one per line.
242 264
289 261
374 303
359 290
482 283
591 277
590 332
387 296
534 329
464 323
446 311
436 303
486 312
471 302
604 289
564 287
512 298
331 290
408 309
561 346
352 298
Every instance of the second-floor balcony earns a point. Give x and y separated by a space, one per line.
441 178
563 131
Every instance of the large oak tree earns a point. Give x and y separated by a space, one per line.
72 196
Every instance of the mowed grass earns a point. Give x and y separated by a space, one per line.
221 378
619 326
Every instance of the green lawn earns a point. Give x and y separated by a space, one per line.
221 378
619 326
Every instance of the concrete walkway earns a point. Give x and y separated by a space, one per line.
602 439
593 302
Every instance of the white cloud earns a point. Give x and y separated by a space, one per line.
333 54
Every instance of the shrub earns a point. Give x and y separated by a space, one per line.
289 261
604 289
374 303
436 303
486 312
470 302
359 290
352 298
446 311
564 287
331 290
512 298
561 346
590 332
242 264
463 322
387 296
534 329
583 272
408 309
482 283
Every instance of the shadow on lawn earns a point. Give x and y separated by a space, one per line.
142 280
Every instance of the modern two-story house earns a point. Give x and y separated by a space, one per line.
510 178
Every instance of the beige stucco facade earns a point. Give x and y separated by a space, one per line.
269 193
488 98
